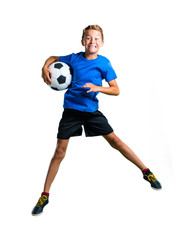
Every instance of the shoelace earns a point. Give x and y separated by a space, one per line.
151 177
41 200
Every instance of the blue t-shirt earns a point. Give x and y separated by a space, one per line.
86 71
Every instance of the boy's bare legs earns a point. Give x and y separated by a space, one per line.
59 155
116 143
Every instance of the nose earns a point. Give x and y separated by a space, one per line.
92 40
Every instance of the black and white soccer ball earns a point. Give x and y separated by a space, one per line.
61 76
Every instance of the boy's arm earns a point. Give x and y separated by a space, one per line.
45 69
113 88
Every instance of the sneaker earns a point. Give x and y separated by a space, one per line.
42 202
149 176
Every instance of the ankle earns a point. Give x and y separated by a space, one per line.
145 170
45 193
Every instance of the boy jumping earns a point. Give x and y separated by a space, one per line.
81 107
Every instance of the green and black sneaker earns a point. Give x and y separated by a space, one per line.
42 202
149 176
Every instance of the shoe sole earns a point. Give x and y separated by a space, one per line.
157 189
36 215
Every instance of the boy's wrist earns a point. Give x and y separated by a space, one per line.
99 89
44 67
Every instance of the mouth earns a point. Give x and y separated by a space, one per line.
92 46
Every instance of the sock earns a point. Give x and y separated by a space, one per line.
45 193
145 170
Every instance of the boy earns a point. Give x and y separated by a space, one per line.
81 107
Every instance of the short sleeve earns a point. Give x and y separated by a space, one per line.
70 59
109 73
66 59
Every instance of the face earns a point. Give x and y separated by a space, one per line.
92 41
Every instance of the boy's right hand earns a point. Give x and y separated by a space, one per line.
46 73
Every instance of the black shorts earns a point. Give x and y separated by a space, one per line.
95 124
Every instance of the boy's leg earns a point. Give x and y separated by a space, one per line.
58 156
116 143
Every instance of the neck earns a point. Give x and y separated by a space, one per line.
90 56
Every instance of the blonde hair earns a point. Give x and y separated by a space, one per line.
94 27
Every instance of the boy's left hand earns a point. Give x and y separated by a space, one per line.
93 88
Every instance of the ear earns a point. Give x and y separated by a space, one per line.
83 43
102 43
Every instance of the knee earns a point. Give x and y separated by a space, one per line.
59 153
116 143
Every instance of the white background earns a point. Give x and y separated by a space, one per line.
97 194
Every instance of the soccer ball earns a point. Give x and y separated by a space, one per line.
61 76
